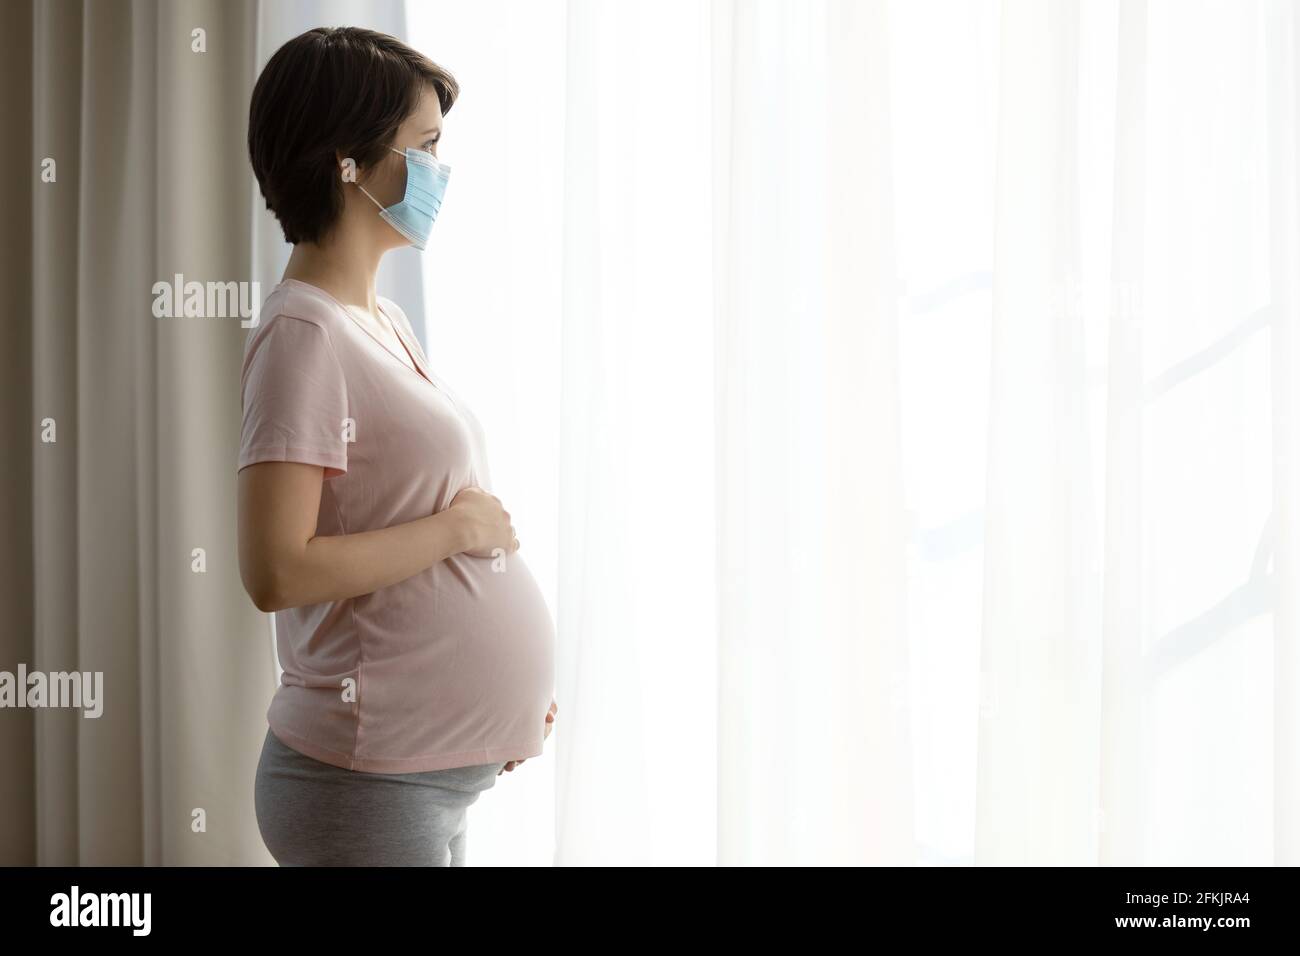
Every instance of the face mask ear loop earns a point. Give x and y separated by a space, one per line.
370 197
367 192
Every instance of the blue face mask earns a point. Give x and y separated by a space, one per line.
426 180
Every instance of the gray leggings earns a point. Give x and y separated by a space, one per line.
315 814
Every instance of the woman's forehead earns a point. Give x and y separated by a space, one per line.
427 116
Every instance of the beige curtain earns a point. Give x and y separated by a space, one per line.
101 526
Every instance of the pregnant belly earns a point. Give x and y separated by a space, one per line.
470 668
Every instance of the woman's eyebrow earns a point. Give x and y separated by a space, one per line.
435 129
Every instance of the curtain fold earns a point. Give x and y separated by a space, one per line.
814 752
1034 797
147 134
1122 803
17 728
635 672
732 531
212 682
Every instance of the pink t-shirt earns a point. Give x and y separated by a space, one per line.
451 667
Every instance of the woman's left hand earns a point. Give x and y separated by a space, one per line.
546 732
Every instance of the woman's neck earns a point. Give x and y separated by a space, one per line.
343 266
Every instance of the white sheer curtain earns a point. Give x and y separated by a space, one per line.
896 399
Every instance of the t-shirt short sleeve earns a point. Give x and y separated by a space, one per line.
295 399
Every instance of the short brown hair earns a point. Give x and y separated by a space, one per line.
331 89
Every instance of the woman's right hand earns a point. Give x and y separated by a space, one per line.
485 523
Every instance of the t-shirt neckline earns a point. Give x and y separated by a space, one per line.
419 368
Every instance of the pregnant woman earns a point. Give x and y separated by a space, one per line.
416 647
